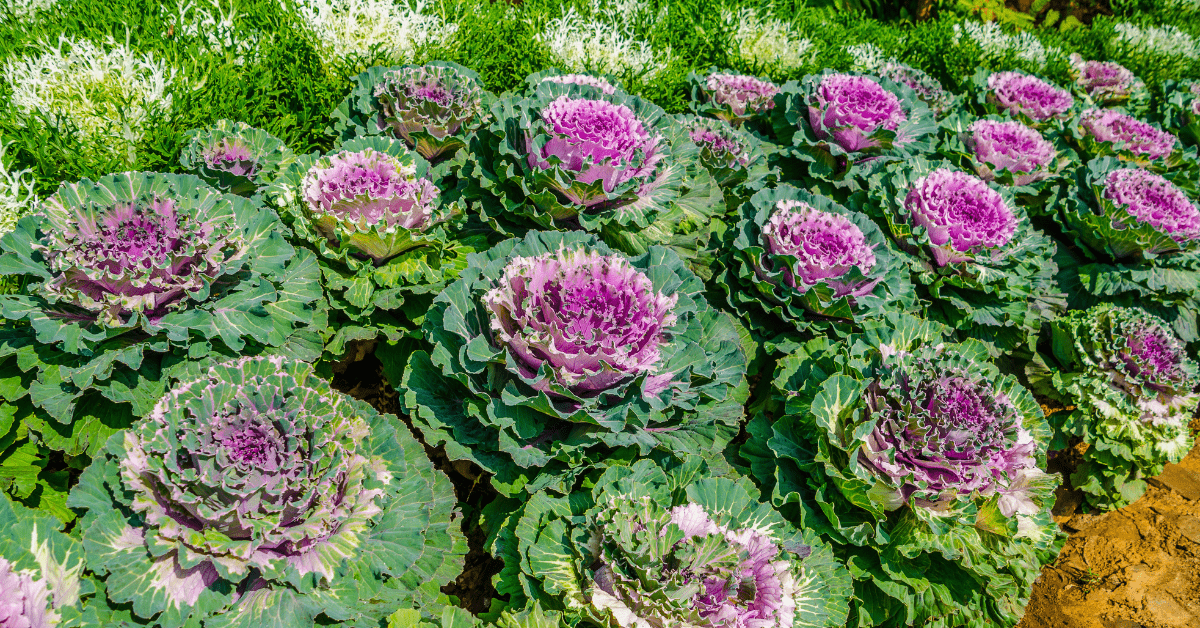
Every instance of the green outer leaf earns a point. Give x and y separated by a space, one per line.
33 541
464 393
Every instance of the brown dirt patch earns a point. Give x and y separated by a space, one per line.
1137 567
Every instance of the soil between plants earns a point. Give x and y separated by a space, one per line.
1137 567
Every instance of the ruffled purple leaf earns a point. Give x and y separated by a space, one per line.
824 245
1140 138
592 321
1149 198
596 141
849 108
24 599
1017 93
736 98
961 214
1010 146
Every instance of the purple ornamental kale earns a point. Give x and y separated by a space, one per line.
755 595
1010 146
962 215
719 148
231 155
369 196
850 108
1017 93
1151 199
943 432
742 96
1155 357
1141 138
598 82
592 321
436 100
147 256
599 140
826 246
1104 81
24 599
928 89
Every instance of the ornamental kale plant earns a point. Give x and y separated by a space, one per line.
652 545
255 494
843 125
41 583
1108 84
572 157
552 353
734 98
1024 160
732 156
1134 391
387 241
800 258
927 88
971 250
434 108
133 275
1136 236
235 157
1105 132
924 461
1032 100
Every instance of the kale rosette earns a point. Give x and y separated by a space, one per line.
1136 241
387 236
570 156
972 251
1134 392
553 353
257 495
1034 165
133 276
235 157
799 258
844 125
651 545
920 461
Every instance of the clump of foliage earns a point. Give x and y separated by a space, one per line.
570 156
670 545
922 463
1134 391
844 126
1030 99
732 98
256 494
131 276
553 353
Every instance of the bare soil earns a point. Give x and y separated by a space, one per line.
1137 567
